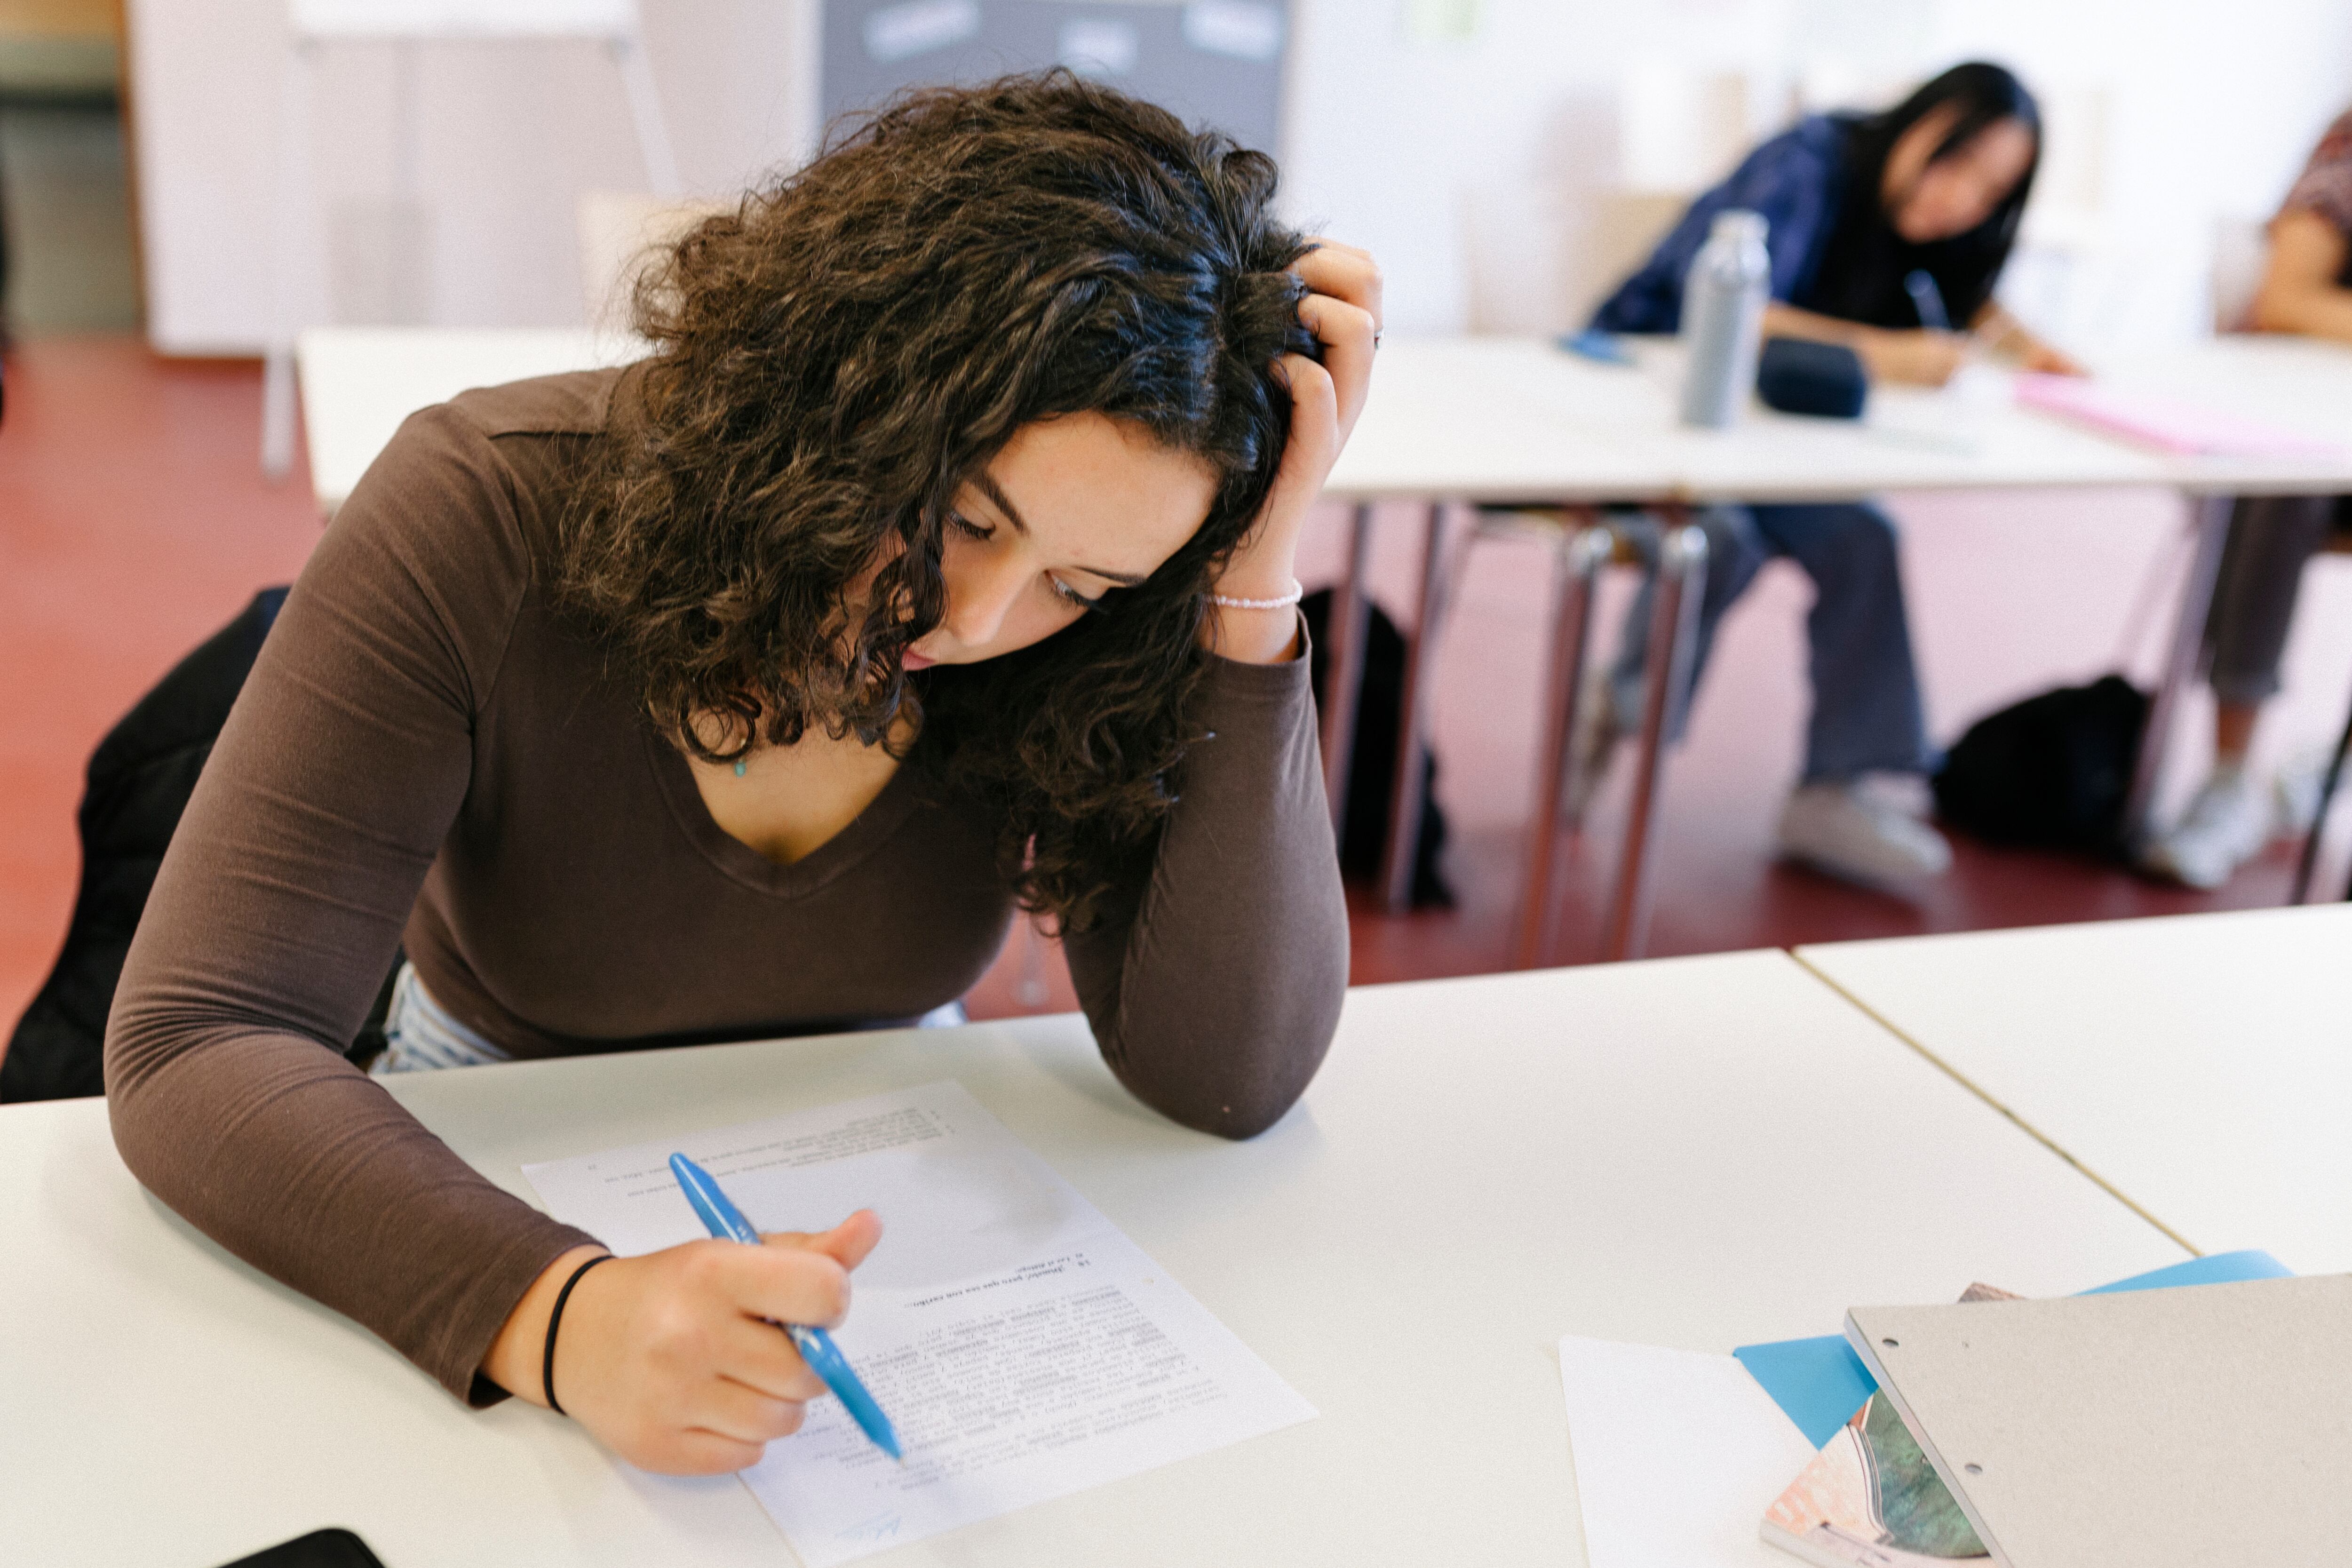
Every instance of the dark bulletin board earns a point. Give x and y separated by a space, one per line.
1215 62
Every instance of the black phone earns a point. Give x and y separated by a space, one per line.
319 1549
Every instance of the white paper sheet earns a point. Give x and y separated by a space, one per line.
1677 1456
1023 1347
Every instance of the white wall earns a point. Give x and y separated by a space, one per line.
1469 166
510 135
1408 147
2214 109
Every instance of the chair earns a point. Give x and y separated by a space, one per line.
620 233
313 25
2242 255
1584 541
2073 272
1679 130
1627 223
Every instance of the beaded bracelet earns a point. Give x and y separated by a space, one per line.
1295 594
547 1361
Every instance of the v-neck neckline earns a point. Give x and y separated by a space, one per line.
739 862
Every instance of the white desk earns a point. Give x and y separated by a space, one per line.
1518 419
1506 419
1514 419
358 382
1695 1152
2201 1065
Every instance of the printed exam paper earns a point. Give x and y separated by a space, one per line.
1022 1345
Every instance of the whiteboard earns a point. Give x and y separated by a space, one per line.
1214 62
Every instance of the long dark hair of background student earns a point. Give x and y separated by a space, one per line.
1860 273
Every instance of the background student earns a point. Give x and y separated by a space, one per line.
1860 207
941 557
2307 288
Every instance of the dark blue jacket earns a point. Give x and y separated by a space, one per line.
1795 180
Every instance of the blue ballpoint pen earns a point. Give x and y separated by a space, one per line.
1927 299
726 1222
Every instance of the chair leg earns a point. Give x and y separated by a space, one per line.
1343 676
1673 642
1576 566
2308 865
2179 663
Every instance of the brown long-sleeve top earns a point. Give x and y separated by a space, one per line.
426 753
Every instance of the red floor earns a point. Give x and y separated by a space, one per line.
133 520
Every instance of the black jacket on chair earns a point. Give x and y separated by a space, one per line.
140 781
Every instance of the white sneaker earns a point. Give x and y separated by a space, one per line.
2225 826
1848 831
2295 791
1593 745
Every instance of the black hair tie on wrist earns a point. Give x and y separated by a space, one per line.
554 1321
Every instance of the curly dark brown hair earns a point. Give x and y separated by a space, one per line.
836 357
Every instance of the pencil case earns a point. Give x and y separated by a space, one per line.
1797 375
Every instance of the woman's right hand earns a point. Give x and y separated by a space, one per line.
674 1359
1921 358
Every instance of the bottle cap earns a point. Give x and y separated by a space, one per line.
1739 224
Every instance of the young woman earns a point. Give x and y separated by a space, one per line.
1887 231
2307 288
939 560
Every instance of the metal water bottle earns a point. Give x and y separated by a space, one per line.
1723 319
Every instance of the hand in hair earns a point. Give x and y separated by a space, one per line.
1342 308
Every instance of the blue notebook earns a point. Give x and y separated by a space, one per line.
1592 344
1820 1382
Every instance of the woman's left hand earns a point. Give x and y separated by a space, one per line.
1342 308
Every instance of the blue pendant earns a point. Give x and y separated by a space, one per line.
742 767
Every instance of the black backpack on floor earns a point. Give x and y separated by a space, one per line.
1371 764
2050 771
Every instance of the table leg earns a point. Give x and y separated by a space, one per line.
1404 801
289 248
1577 564
1351 615
2179 663
2308 864
1674 638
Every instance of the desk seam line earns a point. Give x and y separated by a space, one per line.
1876 1016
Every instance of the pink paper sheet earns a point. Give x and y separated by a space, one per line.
2167 426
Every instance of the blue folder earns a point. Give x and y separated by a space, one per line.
1820 1382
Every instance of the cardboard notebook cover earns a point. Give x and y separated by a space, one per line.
2205 1425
